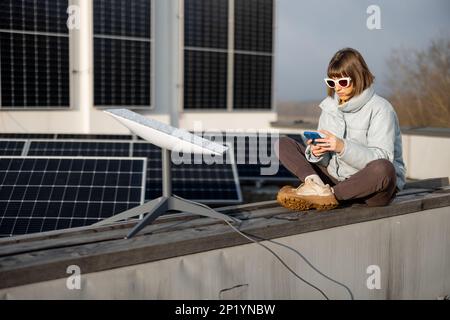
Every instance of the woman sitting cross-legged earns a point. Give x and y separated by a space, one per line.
360 157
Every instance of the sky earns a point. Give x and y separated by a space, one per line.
309 32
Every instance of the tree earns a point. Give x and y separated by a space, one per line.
420 85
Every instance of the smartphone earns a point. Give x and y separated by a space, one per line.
312 135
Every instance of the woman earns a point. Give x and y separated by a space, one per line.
360 157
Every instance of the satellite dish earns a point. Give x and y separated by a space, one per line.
168 138
165 136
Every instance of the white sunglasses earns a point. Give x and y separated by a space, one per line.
343 82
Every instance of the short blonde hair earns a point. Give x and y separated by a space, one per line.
349 62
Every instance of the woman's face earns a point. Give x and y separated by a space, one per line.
344 94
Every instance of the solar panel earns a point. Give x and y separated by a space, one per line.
34 54
205 68
125 18
214 184
206 23
208 51
122 53
253 81
26 136
254 25
74 136
205 80
34 15
11 147
39 194
79 148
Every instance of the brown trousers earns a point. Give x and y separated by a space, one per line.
374 185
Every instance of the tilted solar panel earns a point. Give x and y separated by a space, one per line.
76 136
27 136
79 148
40 194
11 147
214 184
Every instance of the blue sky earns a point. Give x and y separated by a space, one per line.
309 32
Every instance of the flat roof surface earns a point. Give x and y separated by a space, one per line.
43 257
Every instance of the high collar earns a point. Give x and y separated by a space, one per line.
353 105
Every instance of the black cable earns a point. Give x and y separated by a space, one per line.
247 236
262 245
278 257
307 261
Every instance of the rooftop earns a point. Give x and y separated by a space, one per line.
43 257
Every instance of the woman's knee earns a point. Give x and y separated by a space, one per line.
282 145
382 168
384 171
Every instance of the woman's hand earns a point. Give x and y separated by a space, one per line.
330 143
316 150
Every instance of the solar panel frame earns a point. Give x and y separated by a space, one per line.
132 160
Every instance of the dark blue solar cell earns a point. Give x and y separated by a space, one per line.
122 53
206 23
11 148
254 25
35 71
253 82
34 15
127 18
205 80
26 136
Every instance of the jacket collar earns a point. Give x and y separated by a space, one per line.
353 105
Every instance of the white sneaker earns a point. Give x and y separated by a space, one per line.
308 195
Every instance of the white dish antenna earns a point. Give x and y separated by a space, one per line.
168 139
165 136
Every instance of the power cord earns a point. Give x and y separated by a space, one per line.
278 258
309 263
248 237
